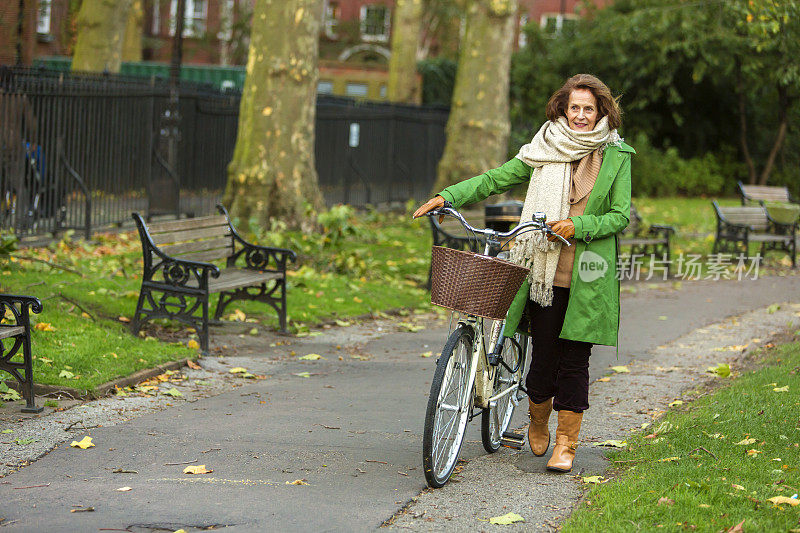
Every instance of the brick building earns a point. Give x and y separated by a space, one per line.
354 39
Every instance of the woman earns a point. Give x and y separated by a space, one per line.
579 175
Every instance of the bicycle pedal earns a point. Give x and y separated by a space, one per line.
512 440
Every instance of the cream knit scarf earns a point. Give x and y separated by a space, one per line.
550 153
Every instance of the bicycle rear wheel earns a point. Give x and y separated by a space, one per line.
449 406
497 417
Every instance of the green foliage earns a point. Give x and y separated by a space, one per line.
8 244
338 223
438 80
665 173
678 67
710 467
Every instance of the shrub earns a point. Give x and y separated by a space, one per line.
656 172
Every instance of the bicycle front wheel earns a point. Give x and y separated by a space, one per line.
497 417
449 406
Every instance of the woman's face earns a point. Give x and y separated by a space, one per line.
582 110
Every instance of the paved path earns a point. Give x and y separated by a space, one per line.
352 431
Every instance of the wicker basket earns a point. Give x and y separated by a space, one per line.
474 284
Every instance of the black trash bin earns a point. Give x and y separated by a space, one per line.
502 216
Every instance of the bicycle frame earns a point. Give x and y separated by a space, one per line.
479 353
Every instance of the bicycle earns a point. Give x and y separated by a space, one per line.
470 380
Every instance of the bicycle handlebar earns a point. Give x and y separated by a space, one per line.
537 223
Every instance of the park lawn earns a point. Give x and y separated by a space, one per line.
89 291
712 464
693 219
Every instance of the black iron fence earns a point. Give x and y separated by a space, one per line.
84 151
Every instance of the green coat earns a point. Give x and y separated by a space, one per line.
593 308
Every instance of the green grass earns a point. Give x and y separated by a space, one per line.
358 264
704 479
382 264
693 219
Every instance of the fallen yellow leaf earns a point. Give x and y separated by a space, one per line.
123 319
676 403
669 459
785 388
196 469
312 357
777 500
753 452
238 370
85 442
604 380
237 316
426 354
193 344
297 482
506 519
612 443
745 442
592 479
44 326
737 487
620 369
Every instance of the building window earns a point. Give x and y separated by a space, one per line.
375 23
156 30
194 21
325 87
359 90
522 40
331 17
43 16
554 23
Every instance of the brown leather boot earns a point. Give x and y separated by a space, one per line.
538 434
569 426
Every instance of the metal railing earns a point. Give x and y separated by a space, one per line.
83 151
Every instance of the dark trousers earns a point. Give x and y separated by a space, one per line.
559 367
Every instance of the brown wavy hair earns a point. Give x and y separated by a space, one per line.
607 105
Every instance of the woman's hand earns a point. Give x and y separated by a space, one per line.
434 203
565 228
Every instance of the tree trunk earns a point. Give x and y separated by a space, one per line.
101 30
743 144
784 102
272 174
478 127
132 45
403 85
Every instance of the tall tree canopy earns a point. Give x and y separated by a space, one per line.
478 126
699 76
272 174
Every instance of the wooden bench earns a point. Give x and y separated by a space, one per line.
646 240
764 193
738 226
14 336
179 276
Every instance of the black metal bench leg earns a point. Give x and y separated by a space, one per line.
27 387
136 324
282 314
204 328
